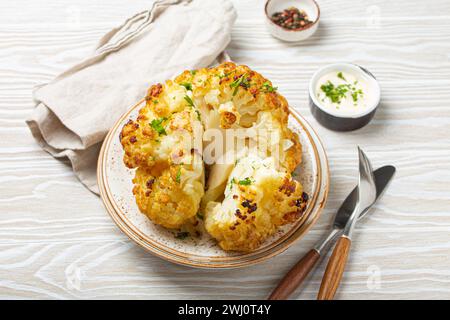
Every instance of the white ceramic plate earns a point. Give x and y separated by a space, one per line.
115 185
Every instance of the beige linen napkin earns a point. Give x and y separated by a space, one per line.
75 111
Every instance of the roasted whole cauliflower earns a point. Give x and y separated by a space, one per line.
244 191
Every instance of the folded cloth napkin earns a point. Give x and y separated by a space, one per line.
75 111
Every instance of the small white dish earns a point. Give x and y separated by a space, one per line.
309 6
334 119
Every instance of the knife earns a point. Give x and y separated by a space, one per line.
366 197
299 272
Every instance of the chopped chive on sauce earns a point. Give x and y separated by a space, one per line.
356 94
337 93
344 91
341 76
334 93
200 216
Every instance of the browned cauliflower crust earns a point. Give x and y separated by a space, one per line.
162 143
258 199
166 121
235 94
169 196
169 182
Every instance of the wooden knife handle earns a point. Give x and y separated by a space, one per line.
295 276
335 269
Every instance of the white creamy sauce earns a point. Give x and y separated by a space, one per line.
343 92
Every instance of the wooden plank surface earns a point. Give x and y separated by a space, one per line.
57 241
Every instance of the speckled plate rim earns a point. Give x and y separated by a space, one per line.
298 230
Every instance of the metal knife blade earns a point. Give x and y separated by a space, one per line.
382 177
367 190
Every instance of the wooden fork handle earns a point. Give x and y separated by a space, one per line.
335 269
295 276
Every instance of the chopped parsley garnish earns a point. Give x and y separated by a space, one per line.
200 215
193 72
266 87
157 125
178 176
187 85
155 101
182 235
241 81
231 182
341 76
199 116
246 182
189 100
221 76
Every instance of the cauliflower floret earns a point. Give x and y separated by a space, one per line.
170 196
175 96
228 115
277 141
158 134
258 199
163 143
212 97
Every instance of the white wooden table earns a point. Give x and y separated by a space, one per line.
57 241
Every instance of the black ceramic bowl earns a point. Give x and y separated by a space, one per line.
334 120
